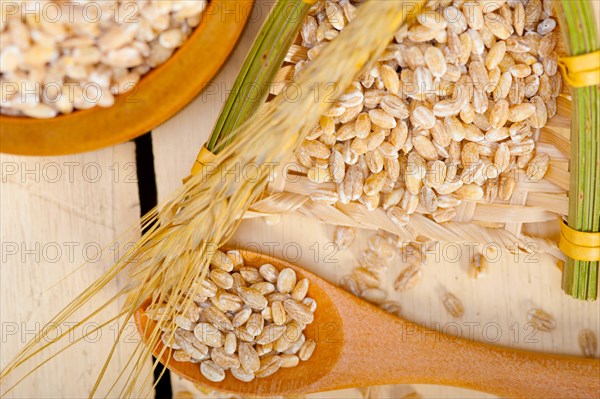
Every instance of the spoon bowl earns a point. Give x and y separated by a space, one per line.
358 344
325 330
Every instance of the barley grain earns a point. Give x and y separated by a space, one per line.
212 371
588 342
453 305
538 167
408 278
541 319
307 350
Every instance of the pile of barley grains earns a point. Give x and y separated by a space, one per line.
57 57
244 319
448 114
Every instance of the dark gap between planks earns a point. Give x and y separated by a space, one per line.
147 192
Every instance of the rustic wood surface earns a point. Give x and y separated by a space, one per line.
56 214
41 215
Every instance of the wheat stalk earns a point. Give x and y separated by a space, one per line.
581 278
203 213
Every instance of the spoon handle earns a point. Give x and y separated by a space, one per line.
382 349
511 372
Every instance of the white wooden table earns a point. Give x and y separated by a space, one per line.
57 212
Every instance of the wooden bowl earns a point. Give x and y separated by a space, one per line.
158 96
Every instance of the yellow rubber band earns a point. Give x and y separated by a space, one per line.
579 253
581 70
579 245
204 157
586 239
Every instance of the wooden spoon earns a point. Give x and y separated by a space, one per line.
360 345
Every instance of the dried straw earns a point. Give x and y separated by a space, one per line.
203 213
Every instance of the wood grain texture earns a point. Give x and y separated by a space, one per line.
57 213
495 305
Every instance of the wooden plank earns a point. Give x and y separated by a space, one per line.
495 305
57 213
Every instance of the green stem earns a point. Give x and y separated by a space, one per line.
260 67
580 278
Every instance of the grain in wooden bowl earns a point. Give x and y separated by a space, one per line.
159 94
